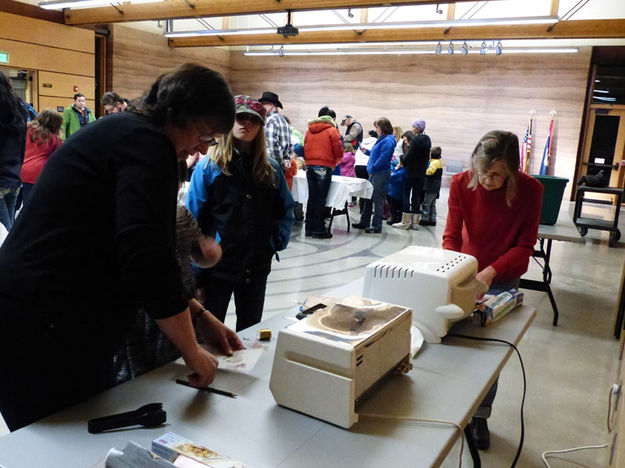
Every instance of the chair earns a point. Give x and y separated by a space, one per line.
453 166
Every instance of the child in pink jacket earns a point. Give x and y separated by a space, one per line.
347 163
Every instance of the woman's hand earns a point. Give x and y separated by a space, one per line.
486 276
209 252
204 367
179 330
218 334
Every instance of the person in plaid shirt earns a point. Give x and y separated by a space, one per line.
277 131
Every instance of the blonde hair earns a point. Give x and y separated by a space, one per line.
262 170
397 132
497 145
348 147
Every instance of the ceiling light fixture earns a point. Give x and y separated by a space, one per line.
438 49
60 4
483 48
465 48
370 26
498 48
450 49
301 52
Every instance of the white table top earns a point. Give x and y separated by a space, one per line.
446 383
341 189
563 230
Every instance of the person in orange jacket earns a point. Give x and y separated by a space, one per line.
324 151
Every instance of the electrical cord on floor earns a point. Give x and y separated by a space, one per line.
409 418
575 449
614 390
497 340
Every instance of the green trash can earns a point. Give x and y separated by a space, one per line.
553 190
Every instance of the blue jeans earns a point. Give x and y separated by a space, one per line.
429 207
319 179
486 405
8 197
380 182
26 188
412 203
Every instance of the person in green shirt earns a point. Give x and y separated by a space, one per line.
76 117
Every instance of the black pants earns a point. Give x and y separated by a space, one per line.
412 194
47 365
395 207
249 299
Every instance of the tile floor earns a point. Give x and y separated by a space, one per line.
569 368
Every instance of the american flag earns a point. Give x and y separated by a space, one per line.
526 147
544 166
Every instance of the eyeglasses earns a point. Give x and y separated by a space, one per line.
491 175
212 141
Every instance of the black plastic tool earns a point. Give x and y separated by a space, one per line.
149 415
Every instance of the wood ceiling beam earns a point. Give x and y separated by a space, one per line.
180 9
579 29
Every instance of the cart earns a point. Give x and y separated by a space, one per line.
584 224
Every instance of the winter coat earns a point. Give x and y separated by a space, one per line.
71 121
12 147
396 184
347 165
381 154
251 221
322 144
416 159
433 176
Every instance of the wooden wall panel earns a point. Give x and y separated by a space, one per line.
62 85
24 29
461 98
139 57
41 57
63 55
48 102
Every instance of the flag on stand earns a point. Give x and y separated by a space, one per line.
526 148
544 165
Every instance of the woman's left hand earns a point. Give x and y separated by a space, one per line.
486 276
211 252
217 333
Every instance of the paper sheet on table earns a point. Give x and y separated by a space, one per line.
416 340
242 361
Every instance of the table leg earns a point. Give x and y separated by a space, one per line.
475 455
545 284
332 213
336 212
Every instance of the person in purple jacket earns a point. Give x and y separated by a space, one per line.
379 169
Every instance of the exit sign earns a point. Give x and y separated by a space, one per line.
4 57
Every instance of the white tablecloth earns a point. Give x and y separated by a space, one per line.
341 189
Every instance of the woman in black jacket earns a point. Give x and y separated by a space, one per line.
12 146
415 163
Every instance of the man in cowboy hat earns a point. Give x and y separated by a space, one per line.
277 130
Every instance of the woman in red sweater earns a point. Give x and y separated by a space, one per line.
42 139
494 210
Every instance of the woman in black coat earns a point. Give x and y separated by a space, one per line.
12 146
415 163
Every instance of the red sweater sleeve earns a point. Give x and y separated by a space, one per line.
452 237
